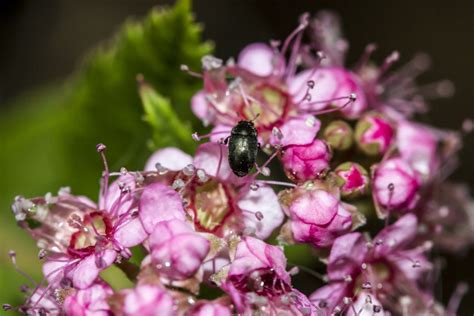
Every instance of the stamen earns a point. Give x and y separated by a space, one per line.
185 68
351 99
456 298
303 24
281 183
105 175
467 126
369 50
198 138
12 255
389 61
391 189
309 271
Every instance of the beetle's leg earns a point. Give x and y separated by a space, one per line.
226 140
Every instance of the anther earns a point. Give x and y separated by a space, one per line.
259 215
254 187
416 264
41 254
366 285
310 84
294 271
160 168
346 300
6 307
323 304
189 170
123 171
467 126
377 308
277 133
178 184
100 147
210 62
202 176
196 137
266 171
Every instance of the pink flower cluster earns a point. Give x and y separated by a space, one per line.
364 187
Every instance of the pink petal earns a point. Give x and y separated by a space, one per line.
201 108
299 130
329 296
220 132
90 301
166 230
148 300
265 201
109 202
316 207
210 309
330 83
159 203
86 271
259 59
131 234
54 269
396 236
326 85
184 253
212 158
347 254
171 158
365 305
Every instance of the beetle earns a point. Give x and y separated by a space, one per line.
243 147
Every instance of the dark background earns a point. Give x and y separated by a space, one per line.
43 41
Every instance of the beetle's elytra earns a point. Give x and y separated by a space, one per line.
243 148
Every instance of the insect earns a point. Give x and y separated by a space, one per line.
243 147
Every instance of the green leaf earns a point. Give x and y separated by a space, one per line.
48 138
163 119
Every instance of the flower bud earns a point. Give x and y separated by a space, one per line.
353 178
396 185
177 250
317 215
373 134
339 135
306 162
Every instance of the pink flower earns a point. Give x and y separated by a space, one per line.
317 215
354 179
373 134
92 301
177 249
392 263
82 238
435 150
330 83
147 300
257 280
395 186
306 162
217 201
206 308
394 93
448 216
266 91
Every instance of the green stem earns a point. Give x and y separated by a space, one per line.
130 269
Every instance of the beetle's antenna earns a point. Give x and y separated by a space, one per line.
256 117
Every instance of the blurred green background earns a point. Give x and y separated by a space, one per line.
67 82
